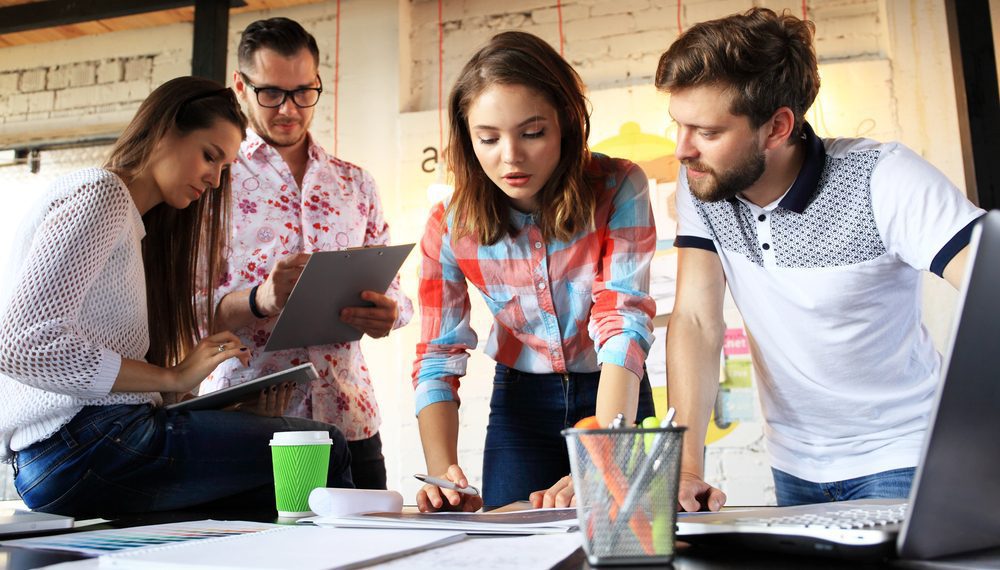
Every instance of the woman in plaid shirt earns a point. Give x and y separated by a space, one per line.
558 242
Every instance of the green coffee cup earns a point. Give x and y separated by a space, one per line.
301 460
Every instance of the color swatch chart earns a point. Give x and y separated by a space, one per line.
97 542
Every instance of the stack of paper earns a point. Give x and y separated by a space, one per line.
538 521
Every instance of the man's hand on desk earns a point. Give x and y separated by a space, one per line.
559 495
433 498
375 321
697 495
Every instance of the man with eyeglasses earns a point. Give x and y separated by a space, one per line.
291 198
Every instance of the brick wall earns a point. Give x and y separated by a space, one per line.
613 43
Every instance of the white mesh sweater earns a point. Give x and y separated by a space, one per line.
73 305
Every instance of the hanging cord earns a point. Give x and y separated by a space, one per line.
440 76
680 28
805 10
336 83
562 37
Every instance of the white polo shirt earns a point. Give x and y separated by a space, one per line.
827 279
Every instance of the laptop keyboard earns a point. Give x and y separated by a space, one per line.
873 517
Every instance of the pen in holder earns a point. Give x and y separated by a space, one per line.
626 483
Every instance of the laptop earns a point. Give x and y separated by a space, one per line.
954 504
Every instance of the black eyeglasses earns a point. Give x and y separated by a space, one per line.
273 97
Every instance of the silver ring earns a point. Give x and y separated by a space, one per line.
222 348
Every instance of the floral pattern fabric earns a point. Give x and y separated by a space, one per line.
337 207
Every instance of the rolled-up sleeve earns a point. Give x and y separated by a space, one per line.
621 322
445 333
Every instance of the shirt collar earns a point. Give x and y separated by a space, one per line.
806 184
254 143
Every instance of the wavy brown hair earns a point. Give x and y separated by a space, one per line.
567 200
765 60
182 248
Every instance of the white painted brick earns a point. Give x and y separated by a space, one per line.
551 15
138 68
39 116
508 21
658 18
473 8
57 77
169 68
32 80
847 46
702 12
81 74
619 7
577 51
600 27
8 82
41 101
17 104
76 97
635 45
109 71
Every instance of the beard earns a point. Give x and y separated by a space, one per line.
260 128
723 185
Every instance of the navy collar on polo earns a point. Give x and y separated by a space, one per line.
807 182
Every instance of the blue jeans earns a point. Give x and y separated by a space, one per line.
112 460
524 450
892 484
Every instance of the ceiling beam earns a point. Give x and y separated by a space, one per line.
50 13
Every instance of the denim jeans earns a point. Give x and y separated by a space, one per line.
119 459
368 463
892 484
524 450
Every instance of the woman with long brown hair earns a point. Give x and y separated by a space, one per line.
100 325
558 241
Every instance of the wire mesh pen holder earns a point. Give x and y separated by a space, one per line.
626 492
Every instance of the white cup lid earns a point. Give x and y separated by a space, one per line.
301 438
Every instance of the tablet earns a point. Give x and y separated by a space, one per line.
330 282
215 400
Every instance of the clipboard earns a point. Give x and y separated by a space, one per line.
300 374
330 282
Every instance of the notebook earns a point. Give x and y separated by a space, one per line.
298 547
536 521
954 504
14 521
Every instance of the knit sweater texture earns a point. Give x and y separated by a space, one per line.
73 305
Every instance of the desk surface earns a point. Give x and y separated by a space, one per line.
688 557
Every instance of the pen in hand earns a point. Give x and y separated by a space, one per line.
445 484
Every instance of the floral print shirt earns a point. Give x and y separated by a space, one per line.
337 207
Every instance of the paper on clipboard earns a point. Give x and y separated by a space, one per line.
330 282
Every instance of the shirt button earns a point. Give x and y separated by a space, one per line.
538 245
541 286
762 217
766 246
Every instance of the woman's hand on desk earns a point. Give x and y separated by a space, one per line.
559 495
434 498
209 353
